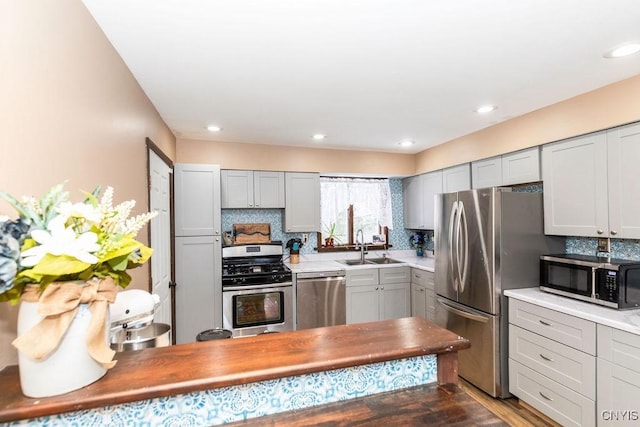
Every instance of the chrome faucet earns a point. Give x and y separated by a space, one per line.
363 247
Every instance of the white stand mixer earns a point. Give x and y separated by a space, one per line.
132 326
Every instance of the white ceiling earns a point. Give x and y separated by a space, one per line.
366 73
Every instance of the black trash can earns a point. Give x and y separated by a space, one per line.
213 334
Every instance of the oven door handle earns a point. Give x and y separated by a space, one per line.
252 287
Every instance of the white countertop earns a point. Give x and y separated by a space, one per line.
626 320
315 263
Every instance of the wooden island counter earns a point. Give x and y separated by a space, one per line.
220 381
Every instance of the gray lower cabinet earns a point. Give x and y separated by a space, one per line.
378 294
618 398
423 297
198 292
552 363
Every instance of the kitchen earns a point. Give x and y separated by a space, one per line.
94 110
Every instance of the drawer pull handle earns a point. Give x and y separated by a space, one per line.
545 323
548 359
546 397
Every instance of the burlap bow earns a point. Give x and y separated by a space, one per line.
59 304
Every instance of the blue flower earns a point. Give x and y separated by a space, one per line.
418 240
12 235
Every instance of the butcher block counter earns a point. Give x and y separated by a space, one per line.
219 381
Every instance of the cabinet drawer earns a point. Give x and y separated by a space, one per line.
563 328
395 275
568 366
362 276
423 277
552 399
619 347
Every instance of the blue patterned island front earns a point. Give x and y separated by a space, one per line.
227 404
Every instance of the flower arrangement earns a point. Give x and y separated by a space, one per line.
56 240
418 240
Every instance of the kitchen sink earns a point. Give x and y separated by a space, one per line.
353 262
383 260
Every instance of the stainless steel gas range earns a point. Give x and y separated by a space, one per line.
257 290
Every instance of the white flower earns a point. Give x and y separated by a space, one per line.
61 240
80 210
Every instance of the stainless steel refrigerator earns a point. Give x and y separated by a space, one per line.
486 241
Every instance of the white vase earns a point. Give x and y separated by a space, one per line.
69 367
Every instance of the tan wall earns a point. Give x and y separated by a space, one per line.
281 158
69 110
609 106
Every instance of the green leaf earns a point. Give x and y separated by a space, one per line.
52 265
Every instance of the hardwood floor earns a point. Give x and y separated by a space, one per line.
511 411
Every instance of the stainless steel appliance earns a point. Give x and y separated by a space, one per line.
486 241
610 282
321 299
257 290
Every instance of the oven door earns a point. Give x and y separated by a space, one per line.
257 309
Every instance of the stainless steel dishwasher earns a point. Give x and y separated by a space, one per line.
321 299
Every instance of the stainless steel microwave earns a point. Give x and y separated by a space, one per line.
610 282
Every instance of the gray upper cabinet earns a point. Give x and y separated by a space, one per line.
252 189
487 172
575 186
418 198
412 197
514 168
588 183
521 167
302 197
197 199
456 178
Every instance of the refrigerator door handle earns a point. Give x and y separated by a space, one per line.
463 247
452 225
460 312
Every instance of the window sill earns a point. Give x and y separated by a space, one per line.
351 248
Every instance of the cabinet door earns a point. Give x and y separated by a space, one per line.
487 173
624 181
521 167
418 300
268 189
362 304
431 185
302 202
395 301
197 199
457 178
575 186
198 286
618 394
237 189
413 196
431 305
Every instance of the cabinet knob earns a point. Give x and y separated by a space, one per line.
599 231
614 232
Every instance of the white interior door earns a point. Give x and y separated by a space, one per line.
160 201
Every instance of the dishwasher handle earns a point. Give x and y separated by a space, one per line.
321 274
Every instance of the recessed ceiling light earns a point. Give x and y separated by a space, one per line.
214 128
406 143
319 137
484 109
624 49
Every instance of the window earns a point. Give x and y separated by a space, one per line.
351 204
